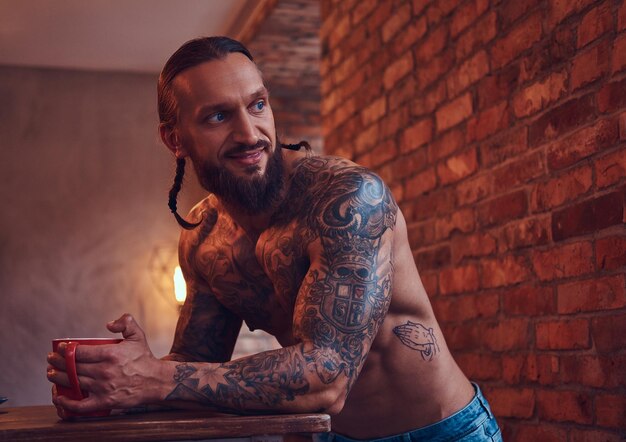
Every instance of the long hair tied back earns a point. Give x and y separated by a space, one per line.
178 183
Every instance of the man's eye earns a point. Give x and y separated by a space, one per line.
217 117
259 105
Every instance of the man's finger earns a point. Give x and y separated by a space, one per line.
128 327
87 405
61 378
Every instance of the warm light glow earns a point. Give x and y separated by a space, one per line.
180 289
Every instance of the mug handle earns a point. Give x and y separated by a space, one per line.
70 363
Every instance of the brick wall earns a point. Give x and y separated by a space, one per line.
501 128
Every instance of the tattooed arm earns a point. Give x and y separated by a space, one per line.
340 306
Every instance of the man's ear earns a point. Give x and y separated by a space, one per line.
171 139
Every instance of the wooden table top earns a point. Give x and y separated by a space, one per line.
41 423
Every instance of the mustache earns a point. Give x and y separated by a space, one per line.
241 148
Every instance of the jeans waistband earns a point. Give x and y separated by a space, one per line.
477 407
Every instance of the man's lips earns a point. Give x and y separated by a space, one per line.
247 157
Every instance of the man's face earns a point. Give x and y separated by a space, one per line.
226 126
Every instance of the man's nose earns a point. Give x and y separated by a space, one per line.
245 131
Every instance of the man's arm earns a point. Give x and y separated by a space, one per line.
340 306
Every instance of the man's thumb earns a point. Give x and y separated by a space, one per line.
127 326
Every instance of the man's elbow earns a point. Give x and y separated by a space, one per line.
332 400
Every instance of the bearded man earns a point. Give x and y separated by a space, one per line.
311 249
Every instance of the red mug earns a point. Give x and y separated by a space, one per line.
75 392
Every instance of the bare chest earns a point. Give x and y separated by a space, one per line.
257 278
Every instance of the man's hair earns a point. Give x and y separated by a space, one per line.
190 54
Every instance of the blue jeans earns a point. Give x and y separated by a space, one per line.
473 423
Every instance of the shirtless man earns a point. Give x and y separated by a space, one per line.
311 249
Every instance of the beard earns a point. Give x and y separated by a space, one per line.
253 194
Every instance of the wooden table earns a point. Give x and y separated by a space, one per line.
40 423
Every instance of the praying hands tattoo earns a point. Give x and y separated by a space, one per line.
417 337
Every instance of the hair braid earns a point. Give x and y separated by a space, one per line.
178 183
297 146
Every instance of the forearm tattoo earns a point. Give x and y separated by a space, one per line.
419 338
261 381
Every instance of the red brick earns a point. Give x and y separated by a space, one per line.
504 271
610 410
539 95
446 144
432 45
342 113
505 334
559 9
397 70
569 115
383 152
468 73
419 6
481 367
466 15
407 165
591 295
622 126
590 66
528 301
436 203
460 221
439 10
454 112
619 54
539 433
458 280
474 189
375 111
478 244
362 10
564 406
611 252
511 402
416 135
588 216
562 189
610 169
612 96
488 122
466 307
608 332
394 122
509 12
339 30
621 17
582 144
396 22
461 336
497 87
506 145
592 370
409 36
594 24
563 334
431 71
524 233
376 19
420 183
434 258
584 435
367 139
426 102
457 167
520 38
521 171
564 261
345 70
503 208
479 34
421 234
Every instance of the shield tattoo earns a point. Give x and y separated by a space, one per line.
348 308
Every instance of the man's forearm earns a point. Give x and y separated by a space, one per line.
276 380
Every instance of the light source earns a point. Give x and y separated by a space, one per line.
180 288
